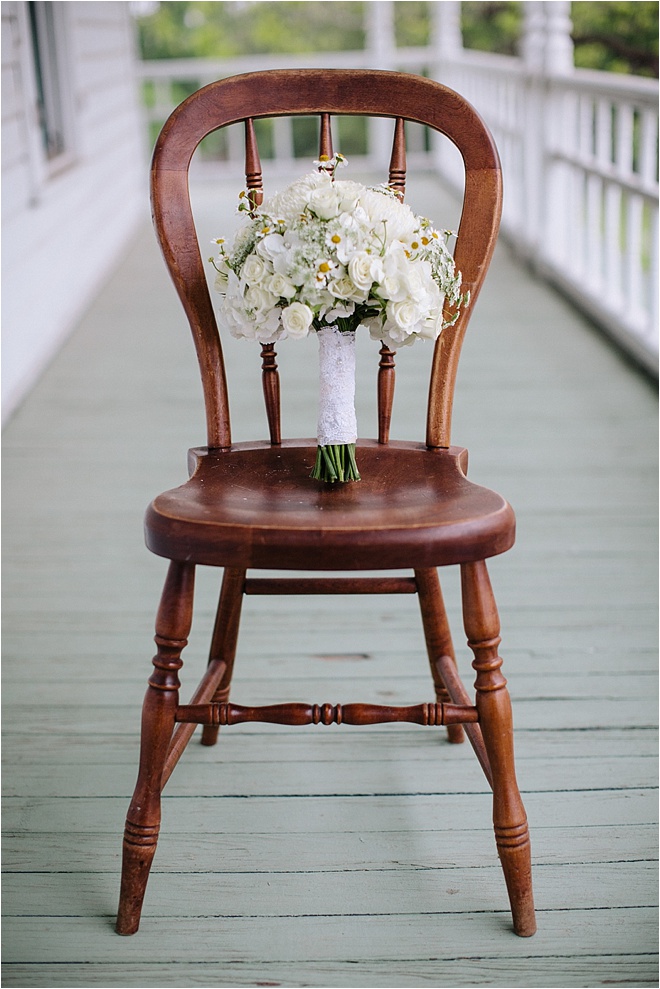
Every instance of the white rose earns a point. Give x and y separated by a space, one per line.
405 315
254 269
324 202
359 270
259 299
296 320
281 286
343 287
431 327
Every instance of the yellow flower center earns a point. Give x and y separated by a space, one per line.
336 239
324 266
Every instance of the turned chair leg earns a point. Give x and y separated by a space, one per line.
438 637
225 639
494 705
158 722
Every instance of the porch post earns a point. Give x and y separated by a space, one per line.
380 42
547 51
447 47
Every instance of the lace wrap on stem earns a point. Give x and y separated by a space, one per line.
337 422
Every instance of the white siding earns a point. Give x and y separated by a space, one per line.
64 230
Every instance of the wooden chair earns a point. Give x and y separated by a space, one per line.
253 506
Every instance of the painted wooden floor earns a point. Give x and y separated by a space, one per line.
331 857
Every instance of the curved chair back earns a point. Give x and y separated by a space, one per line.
297 92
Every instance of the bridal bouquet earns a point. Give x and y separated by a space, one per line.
329 257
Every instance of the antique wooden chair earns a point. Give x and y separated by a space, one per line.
253 506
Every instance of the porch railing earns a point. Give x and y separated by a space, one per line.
579 154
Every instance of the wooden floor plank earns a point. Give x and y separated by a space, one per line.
438 973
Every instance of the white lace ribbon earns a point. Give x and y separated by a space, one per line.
337 423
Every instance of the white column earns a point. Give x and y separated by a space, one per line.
446 36
559 54
547 51
379 31
447 47
381 46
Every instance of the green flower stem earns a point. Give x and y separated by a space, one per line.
335 463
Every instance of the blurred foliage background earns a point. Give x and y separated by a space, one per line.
610 35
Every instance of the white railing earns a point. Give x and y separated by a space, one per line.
579 154
580 161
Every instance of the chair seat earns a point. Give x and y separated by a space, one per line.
254 506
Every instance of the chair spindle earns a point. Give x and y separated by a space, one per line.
397 178
270 374
271 384
386 372
253 176
325 140
386 375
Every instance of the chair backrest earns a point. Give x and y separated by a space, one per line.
296 92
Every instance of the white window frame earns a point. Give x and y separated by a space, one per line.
48 89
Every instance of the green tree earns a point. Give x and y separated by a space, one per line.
617 37
208 29
610 35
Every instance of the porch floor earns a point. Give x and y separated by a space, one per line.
323 856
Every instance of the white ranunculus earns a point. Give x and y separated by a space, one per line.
296 320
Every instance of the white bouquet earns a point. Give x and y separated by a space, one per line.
330 256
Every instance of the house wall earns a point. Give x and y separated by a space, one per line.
65 221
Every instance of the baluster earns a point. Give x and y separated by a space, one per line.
397 178
253 176
325 141
386 375
271 384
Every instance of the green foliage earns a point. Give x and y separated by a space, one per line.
412 24
492 27
616 37
210 29
610 35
